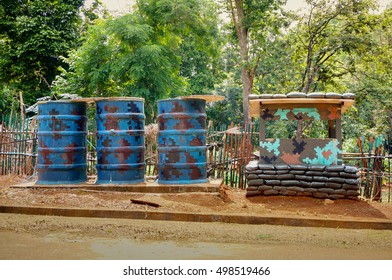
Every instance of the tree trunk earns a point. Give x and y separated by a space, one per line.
308 76
238 17
247 85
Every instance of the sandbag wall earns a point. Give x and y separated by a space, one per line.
333 182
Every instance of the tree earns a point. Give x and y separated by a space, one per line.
229 110
372 81
146 54
190 28
254 23
119 57
325 38
34 34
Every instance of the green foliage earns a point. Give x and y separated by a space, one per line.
372 82
35 34
190 28
340 46
155 52
169 48
253 24
93 12
325 39
229 110
7 101
120 58
276 72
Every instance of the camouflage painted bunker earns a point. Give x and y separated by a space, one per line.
299 166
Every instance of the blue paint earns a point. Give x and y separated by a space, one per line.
332 147
182 141
62 143
271 146
282 114
120 141
311 112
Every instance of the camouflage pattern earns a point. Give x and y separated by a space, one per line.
300 151
62 143
182 141
120 141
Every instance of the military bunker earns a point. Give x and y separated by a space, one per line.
302 166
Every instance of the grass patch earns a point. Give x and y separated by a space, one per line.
264 236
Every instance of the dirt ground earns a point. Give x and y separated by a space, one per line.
43 237
229 201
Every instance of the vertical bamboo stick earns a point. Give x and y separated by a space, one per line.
1 146
225 163
9 161
18 143
232 140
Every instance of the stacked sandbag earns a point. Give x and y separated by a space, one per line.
316 95
333 182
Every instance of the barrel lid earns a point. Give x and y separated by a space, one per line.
62 101
207 98
118 98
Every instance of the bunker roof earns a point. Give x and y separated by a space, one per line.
297 99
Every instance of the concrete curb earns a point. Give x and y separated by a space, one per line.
150 187
196 217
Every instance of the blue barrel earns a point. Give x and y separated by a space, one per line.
120 141
62 143
182 141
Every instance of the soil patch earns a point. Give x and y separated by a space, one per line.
228 201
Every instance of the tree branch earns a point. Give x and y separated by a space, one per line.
233 16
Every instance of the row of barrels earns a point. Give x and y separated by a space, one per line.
62 138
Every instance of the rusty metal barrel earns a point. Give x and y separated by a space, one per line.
120 140
182 141
62 143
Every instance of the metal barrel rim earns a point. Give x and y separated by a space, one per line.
182 149
183 165
120 149
121 132
50 133
62 166
63 149
182 132
122 116
182 115
62 117
135 166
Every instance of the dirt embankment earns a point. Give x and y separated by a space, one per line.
44 237
228 201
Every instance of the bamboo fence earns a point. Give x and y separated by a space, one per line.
229 150
18 145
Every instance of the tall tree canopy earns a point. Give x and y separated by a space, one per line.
327 36
372 81
166 48
34 34
155 52
254 23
